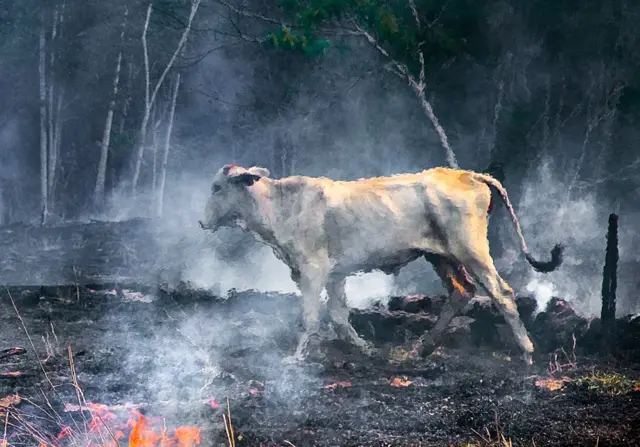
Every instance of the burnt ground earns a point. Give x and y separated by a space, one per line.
181 354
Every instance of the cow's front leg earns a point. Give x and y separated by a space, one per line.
313 279
339 313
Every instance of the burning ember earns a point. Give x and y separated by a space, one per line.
333 386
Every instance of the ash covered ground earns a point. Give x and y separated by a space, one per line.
180 354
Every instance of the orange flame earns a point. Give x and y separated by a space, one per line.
143 435
552 384
401 381
141 431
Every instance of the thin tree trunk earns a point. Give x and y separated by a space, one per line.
106 135
284 153
154 149
44 202
55 120
127 99
167 145
54 157
50 110
150 99
292 157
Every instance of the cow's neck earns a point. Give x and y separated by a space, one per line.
263 222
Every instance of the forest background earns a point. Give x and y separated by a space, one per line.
122 109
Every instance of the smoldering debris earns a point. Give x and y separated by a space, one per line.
179 358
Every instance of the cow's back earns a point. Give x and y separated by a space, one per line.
378 220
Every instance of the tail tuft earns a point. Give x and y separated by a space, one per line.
549 266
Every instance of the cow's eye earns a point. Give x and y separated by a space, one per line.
216 188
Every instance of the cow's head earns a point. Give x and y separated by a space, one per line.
232 202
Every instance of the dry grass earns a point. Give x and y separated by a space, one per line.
228 426
498 439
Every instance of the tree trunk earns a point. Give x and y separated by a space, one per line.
149 100
106 135
44 202
167 145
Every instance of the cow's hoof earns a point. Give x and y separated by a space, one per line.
527 358
309 348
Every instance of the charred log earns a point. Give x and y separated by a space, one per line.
135 251
609 277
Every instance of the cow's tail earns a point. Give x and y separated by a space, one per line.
556 252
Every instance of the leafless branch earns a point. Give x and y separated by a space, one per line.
419 89
249 14
195 4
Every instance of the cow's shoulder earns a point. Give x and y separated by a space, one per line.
300 192
298 184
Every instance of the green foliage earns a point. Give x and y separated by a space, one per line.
305 43
391 22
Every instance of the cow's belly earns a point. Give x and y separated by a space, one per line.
382 231
385 248
387 262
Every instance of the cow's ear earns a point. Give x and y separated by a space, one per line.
246 179
259 171
226 168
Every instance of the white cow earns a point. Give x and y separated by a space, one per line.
326 230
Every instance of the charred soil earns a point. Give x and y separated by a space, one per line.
181 354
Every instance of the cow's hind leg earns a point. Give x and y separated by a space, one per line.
460 291
339 313
481 267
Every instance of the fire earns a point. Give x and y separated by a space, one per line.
401 381
143 432
552 384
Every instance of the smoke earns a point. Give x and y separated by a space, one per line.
551 213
